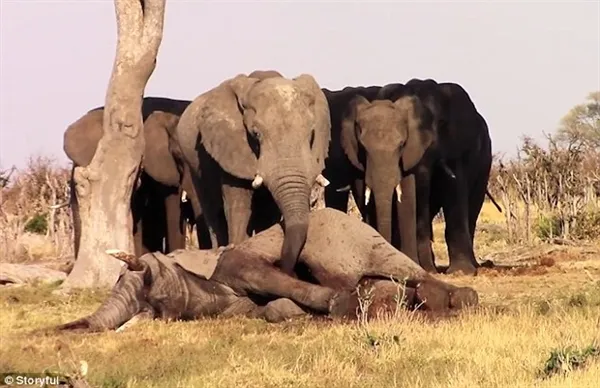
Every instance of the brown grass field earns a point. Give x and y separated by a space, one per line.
549 302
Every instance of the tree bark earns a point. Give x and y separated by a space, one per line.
105 186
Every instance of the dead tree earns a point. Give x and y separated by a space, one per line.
105 186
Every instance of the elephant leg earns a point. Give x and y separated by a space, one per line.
137 208
247 271
407 218
75 216
237 201
174 225
210 196
424 231
202 232
358 193
476 199
455 205
153 218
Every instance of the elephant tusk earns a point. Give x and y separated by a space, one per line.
257 182
59 206
183 196
367 195
448 171
343 189
399 192
321 180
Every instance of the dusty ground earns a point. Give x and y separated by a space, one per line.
549 301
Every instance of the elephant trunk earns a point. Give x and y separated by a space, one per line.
125 300
75 216
291 190
383 178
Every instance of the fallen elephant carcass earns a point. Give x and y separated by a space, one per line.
341 252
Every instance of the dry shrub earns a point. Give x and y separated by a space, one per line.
551 193
30 229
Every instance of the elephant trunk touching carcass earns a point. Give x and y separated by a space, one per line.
291 190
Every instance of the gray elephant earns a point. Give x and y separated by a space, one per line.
343 176
156 200
423 144
341 254
255 146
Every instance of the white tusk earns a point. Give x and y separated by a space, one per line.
59 206
367 195
257 182
343 189
399 192
322 180
183 196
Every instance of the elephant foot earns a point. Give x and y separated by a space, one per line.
463 297
439 297
429 267
431 296
282 309
461 268
344 305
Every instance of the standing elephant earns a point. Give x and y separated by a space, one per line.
250 131
430 138
156 200
343 176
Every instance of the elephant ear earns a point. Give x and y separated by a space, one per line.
350 131
159 162
221 126
419 137
322 125
82 137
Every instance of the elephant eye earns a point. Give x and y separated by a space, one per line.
255 133
312 138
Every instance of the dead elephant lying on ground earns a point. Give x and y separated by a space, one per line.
340 253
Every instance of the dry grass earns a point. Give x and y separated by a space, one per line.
495 346
29 229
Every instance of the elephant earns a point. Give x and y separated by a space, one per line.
423 144
156 200
342 175
341 254
255 145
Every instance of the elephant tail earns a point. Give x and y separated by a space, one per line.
487 192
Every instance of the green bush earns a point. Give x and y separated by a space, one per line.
584 225
38 224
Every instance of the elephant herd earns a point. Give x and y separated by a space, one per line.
245 155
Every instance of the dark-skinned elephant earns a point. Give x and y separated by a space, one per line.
156 206
424 145
255 145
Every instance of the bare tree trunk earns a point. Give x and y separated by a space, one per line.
104 187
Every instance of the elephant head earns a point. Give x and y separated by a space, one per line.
272 131
385 140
